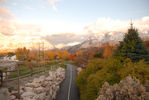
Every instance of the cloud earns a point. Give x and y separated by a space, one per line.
52 3
107 25
4 13
6 24
29 8
2 2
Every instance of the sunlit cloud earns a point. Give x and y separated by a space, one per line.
107 25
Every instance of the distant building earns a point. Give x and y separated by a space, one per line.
10 57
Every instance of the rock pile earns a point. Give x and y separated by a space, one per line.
42 88
128 89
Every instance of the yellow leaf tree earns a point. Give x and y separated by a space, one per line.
22 54
107 51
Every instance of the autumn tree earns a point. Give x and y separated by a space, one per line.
50 55
22 54
71 56
59 53
65 55
33 55
91 56
107 51
79 53
147 44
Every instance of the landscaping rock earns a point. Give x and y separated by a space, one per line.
42 88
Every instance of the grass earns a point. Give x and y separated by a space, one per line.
63 66
24 70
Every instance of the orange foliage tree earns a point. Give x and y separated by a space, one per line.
71 56
107 51
79 53
50 55
91 56
65 55
33 55
22 53
59 53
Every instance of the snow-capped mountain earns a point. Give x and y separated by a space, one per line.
13 42
99 40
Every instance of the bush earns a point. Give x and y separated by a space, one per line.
111 70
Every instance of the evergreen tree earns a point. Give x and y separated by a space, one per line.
132 47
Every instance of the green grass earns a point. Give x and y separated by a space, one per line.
63 66
24 70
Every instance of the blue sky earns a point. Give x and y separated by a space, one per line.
78 12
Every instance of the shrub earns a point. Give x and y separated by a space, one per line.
110 70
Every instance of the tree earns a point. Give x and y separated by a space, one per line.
147 44
91 55
71 56
59 53
79 53
107 51
98 55
132 47
22 54
33 55
50 55
65 55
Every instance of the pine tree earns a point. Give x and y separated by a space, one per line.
132 46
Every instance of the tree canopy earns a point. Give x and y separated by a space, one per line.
132 47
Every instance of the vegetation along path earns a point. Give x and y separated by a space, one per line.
69 90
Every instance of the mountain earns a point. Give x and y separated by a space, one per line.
96 41
10 43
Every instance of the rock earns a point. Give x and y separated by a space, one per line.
39 90
14 93
41 96
12 97
28 89
33 84
28 95
36 80
147 85
42 88
4 93
44 83
48 78
41 78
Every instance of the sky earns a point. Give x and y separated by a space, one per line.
68 22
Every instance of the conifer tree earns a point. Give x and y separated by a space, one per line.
132 46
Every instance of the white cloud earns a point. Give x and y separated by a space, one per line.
52 3
29 8
107 25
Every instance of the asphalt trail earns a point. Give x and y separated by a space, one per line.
69 90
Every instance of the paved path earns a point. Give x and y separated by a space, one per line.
69 90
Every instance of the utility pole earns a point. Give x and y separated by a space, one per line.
42 53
